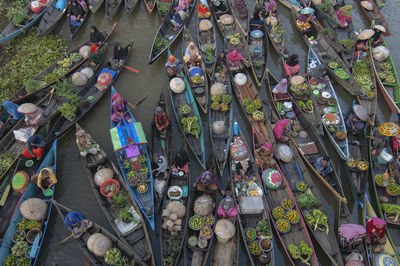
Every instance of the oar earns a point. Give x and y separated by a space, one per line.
132 69
59 244
142 100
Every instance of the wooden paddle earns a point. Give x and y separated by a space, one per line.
58 244
132 69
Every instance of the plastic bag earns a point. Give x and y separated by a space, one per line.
380 53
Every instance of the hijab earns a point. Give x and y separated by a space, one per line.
76 9
119 54
292 60
181 158
234 56
281 87
96 36
192 50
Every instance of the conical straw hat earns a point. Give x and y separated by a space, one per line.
365 34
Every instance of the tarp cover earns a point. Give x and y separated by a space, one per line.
122 136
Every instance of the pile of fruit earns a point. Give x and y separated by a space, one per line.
250 234
283 225
66 62
385 73
341 74
112 256
5 161
253 107
206 232
110 189
293 216
19 248
287 204
10 260
278 212
362 75
196 222
185 109
301 186
75 57
384 180
234 39
19 236
209 220
221 102
23 261
257 115
197 79
254 248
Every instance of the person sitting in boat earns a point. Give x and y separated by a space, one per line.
119 56
192 55
303 22
351 236
376 231
96 55
234 60
34 147
344 17
13 114
271 8
173 66
376 39
32 119
207 180
76 12
257 18
323 166
219 6
282 130
378 143
227 208
354 124
281 89
85 144
119 109
182 5
96 37
291 65
202 10
75 222
161 121
45 179
181 162
159 167
177 20
264 156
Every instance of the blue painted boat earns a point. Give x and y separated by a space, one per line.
32 191
127 134
13 30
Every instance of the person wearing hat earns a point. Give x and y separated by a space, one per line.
354 124
12 110
119 109
376 39
202 9
159 167
32 119
207 180
219 7
192 55
161 121
177 20
227 208
45 179
323 166
256 19
75 222
85 144
264 156
173 66
34 147
291 65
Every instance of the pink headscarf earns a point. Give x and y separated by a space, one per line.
267 147
281 87
234 56
116 96
279 128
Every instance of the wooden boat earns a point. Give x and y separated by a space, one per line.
112 8
74 30
171 244
22 95
390 91
50 19
275 34
329 14
310 146
130 5
136 236
259 58
163 8
249 218
150 5
95 5
62 124
161 146
166 35
291 3
199 91
144 200
125 250
32 191
241 15
375 16
220 142
379 191
196 143
340 145
13 29
207 44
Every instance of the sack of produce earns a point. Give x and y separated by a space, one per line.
218 127
380 53
203 205
176 207
297 80
177 85
218 88
84 51
79 79
285 153
88 72
103 175
224 230
98 244
34 209
240 79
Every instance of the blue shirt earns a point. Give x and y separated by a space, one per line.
73 218
12 110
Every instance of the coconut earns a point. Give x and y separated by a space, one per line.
98 244
218 88
177 207
84 51
34 209
103 175
88 72
79 79
224 230
218 127
271 20
203 205
177 85
297 80
240 79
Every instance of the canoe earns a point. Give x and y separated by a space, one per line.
296 172
310 146
130 5
125 250
378 191
249 218
375 15
171 244
340 145
62 124
199 91
32 191
220 142
12 30
258 58
150 5
161 146
196 143
144 200
275 34
163 7
75 30
240 14
112 7
50 19
133 234
291 3
94 5
22 95
166 35
390 91
327 12
207 44
250 91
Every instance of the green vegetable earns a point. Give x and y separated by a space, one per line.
191 126
298 252
19 18
250 234
6 160
10 260
307 200
348 44
257 104
263 228
32 85
318 218
112 256
196 222
254 248
326 5
258 115
394 189
75 57
23 261
216 98
185 109
19 248
333 64
247 102
226 98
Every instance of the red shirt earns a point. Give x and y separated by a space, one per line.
162 120
202 9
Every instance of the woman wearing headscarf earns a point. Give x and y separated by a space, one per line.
344 17
351 236
119 109
281 87
34 147
354 124
181 161
207 180
46 179
234 59
219 6
257 18
75 12
96 37
177 20
119 55
270 7
76 223
291 65
227 208
173 66
161 121
376 229
85 144
12 110
282 130
96 55
192 55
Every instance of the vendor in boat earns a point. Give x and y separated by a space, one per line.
376 39
343 14
34 147
303 22
76 12
378 142
96 55
11 109
173 66
281 88
85 144
192 55
45 179
181 162
207 180
96 37
75 222
243 171
257 18
264 156
271 8
202 10
183 5
291 65
161 121
282 130
221 72
351 236
227 208
234 60
219 6
119 56
159 167
32 119
323 166
354 125
119 109
376 229
178 19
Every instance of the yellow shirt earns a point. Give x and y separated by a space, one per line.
52 177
